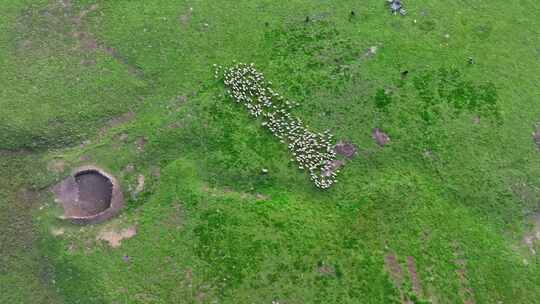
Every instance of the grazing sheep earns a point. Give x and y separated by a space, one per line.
312 151
396 7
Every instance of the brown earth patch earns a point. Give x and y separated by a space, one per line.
345 149
398 277
394 269
380 137
114 237
411 267
532 238
466 292
536 138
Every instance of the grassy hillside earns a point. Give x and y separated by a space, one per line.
437 215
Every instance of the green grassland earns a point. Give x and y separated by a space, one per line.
449 197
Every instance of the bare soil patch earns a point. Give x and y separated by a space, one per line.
394 269
465 290
345 149
532 238
380 137
536 137
114 237
398 276
413 273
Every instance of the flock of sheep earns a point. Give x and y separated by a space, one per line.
313 152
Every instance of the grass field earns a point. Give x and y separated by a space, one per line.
443 213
